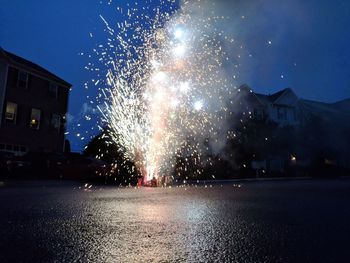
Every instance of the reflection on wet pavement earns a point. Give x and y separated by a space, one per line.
258 222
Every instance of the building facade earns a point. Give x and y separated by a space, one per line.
317 129
285 108
282 107
33 106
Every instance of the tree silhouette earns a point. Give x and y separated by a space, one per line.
123 171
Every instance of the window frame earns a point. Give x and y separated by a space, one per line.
55 93
9 147
282 114
23 149
26 87
31 118
14 120
59 122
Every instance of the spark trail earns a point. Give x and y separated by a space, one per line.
166 87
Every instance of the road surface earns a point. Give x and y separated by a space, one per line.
268 221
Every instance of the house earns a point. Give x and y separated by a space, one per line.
319 129
282 107
336 113
286 109
33 106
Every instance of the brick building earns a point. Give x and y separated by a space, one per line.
33 106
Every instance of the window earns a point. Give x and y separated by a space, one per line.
295 115
11 112
53 90
55 121
257 114
22 81
8 147
35 119
23 149
281 113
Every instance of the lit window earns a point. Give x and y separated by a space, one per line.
55 121
35 119
22 81
53 90
11 112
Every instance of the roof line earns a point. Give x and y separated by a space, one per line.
13 58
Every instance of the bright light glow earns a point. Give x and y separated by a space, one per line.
184 87
154 75
175 103
198 105
179 51
159 76
179 33
159 95
155 64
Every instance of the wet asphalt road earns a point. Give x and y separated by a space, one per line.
271 221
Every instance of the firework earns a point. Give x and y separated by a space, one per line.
164 73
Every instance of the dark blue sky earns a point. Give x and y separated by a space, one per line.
310 42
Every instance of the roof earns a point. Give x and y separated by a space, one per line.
19 60
271 98
263 98
328 111
275 96
343 105
316 106
339 108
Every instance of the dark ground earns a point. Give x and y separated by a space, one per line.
267 221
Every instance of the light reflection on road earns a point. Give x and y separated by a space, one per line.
258 222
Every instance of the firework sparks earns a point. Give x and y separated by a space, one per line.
159 79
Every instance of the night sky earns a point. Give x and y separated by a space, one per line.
294 43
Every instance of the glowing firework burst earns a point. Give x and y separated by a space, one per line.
162 72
